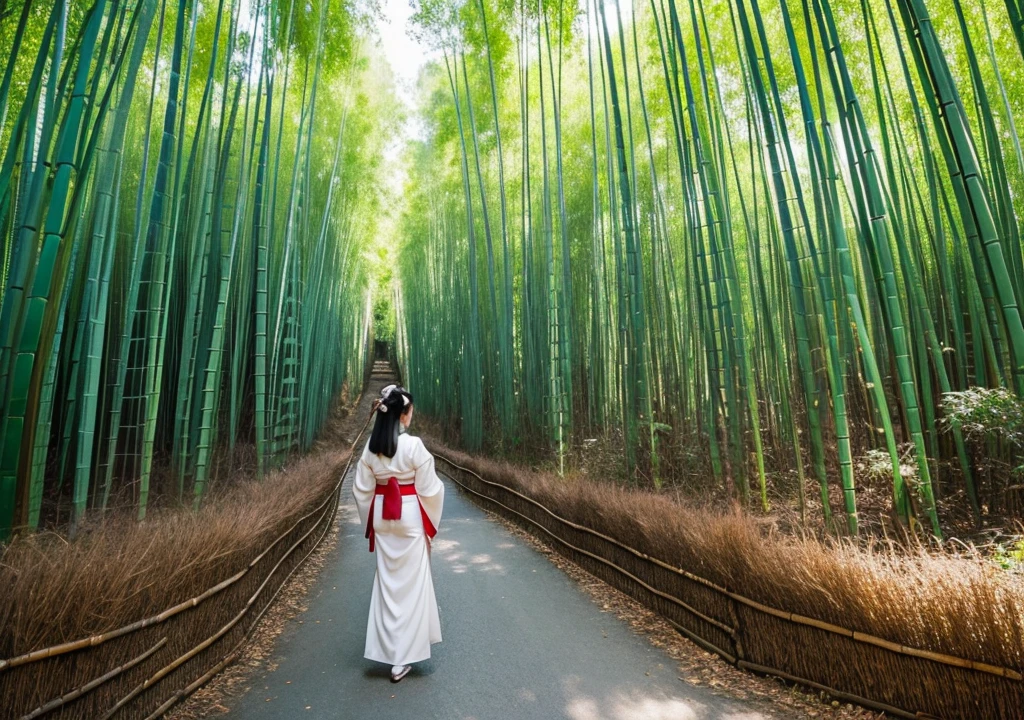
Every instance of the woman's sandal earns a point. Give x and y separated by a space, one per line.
402 671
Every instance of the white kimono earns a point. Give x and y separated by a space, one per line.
403 621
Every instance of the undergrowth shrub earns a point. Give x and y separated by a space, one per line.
992 421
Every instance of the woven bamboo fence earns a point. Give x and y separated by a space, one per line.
153 663
849 665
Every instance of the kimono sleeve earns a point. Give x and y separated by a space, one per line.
428 485
363 488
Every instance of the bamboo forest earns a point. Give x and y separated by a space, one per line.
744 239
711 313
187 191
773 245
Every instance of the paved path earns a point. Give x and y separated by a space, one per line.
521 641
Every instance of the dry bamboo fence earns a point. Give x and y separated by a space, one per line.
849 665
153 663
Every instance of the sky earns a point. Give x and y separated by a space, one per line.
407 57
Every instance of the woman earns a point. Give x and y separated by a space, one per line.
399 497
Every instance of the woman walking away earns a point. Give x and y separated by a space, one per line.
399 497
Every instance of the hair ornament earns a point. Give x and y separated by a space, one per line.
386 392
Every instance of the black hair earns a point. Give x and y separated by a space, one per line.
384 439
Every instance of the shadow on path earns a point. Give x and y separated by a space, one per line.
521 641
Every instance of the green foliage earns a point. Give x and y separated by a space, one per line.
986 413
384 320
785 230
1010 557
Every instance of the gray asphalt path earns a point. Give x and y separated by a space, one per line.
521 641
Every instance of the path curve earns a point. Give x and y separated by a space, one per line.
521 641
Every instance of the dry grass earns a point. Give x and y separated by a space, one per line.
120 571
952 604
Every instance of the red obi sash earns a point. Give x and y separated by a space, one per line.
393 491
